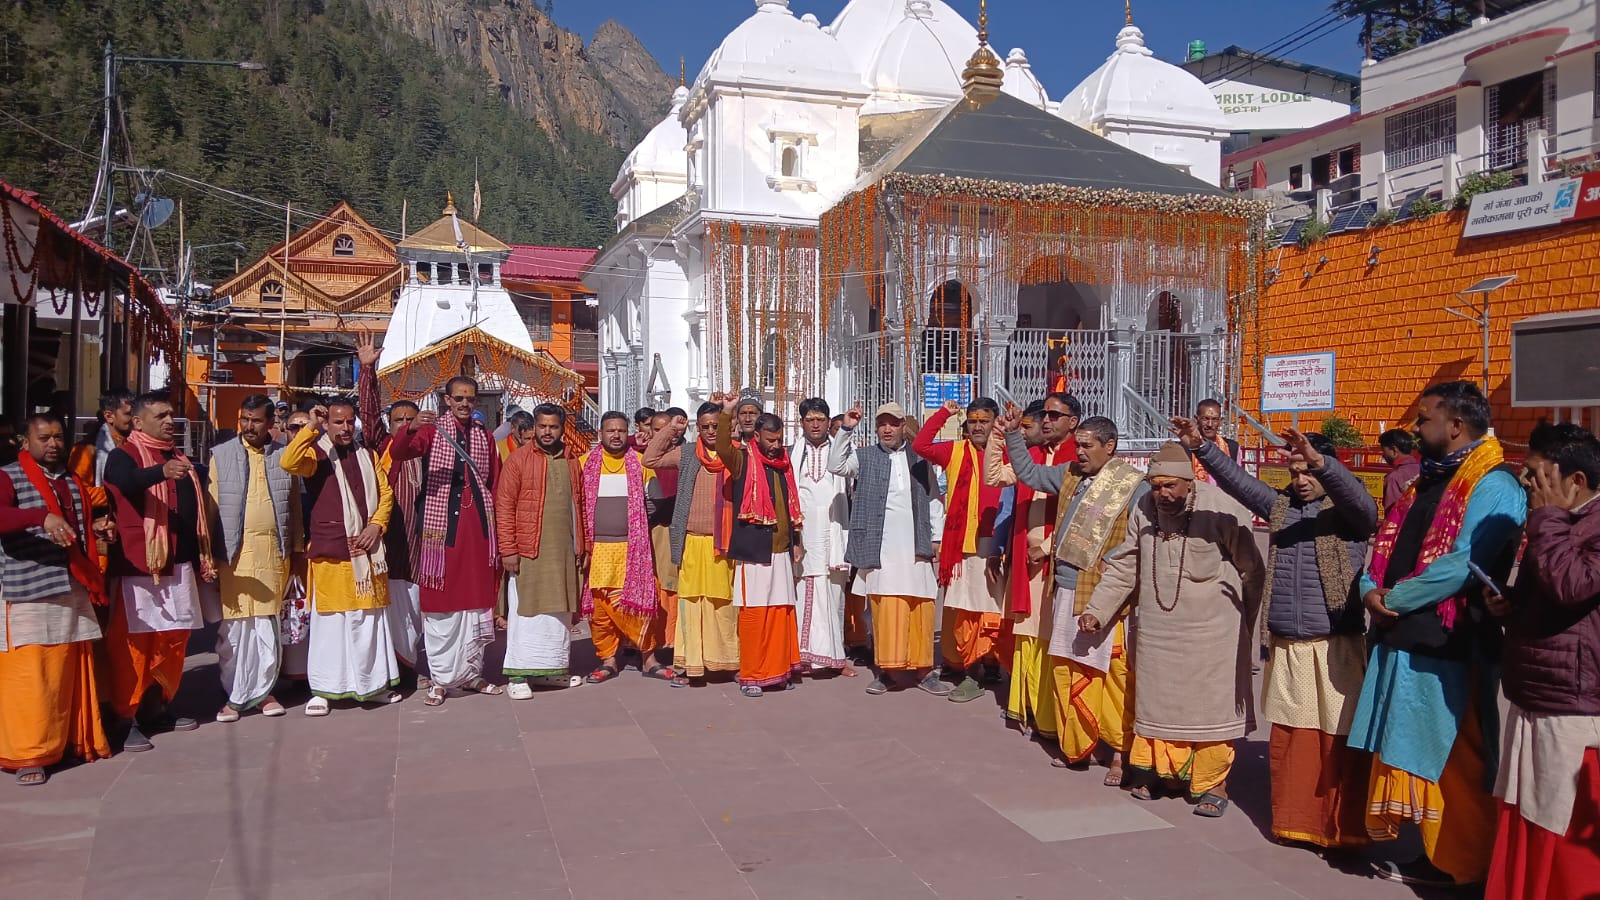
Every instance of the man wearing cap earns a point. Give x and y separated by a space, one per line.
891 546
1191 568
745 414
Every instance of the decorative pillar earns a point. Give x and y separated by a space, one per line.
993 341
1119 370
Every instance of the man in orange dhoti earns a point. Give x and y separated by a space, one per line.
50 581
972 610
619 596
765 546
1093 690
162 553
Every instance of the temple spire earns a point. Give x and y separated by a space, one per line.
681 73
1127 12
983 76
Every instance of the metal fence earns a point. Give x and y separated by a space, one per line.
1035 356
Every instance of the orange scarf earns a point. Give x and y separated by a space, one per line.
160 501
80 552
758 506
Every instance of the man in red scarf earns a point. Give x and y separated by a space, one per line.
162 553
765 545
972 597
51 581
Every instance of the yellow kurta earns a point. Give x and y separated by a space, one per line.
332 582
255 583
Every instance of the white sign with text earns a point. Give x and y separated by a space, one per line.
1299 383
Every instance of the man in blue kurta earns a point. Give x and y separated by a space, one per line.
1427 711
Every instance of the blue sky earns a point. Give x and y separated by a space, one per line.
1065 39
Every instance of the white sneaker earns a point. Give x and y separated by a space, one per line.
317 706
519 690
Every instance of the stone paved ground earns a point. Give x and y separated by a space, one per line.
633 789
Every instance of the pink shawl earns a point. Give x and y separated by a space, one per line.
639 584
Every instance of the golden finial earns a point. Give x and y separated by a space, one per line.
983 76
682 73
449 204
1127 11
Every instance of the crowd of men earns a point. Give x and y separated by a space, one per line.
1120 602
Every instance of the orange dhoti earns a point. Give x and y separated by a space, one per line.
968 638
49 706
1319 788
1202 765
769 645
856 630
1094 706
137 661
669 615
613 626
902 632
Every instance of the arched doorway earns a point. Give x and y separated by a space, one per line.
949 344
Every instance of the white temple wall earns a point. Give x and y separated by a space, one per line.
776 155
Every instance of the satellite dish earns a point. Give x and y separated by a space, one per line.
155 212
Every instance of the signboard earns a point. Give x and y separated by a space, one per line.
1299 383
1534 206
1276 476
936 389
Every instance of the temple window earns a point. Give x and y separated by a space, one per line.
272 292
486 273
344 245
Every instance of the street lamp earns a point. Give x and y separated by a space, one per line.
1480 315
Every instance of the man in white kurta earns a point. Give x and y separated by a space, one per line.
891 546
823 572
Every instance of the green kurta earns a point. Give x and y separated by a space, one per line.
549 584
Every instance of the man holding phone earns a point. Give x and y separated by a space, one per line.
1549 781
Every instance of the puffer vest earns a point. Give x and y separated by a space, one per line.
231 460
32 567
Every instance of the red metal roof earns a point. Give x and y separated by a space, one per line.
529 263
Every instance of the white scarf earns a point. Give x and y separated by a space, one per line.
364 565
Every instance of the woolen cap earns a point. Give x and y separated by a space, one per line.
893 410
1171 461
748 398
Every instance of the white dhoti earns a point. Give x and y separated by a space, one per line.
537 647
248 654
351 656
405 623
455 643
821 623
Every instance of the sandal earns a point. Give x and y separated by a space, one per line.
1113 777
1143 792
1211 806
658 673
227 714
601 675
752 691
480 686
32 776
318 707
681 681
272 709
435 696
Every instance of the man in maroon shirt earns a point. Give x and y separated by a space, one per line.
1399 451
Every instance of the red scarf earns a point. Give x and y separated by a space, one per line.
757 506
722 514
80 553
161 500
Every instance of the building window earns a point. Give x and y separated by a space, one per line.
1419 135
1321 171
464 273
272 292
1297 178
424 273
537 318
486 273
789 160
344 245
790 165
443 271
1513 109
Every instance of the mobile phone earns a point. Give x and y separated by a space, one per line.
1481 575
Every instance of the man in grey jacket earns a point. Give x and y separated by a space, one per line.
1320 525
258 505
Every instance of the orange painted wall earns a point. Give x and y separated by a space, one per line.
1388 324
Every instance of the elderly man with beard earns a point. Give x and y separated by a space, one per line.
541 505
972 611
50 581
765 546
1190 568
162 554
258 505
706 632
351 652
891 546
1320 524
1428 709
1093 692
1031 703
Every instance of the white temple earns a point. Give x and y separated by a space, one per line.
786 119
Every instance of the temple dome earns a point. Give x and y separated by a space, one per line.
774 48
1021 83
916 66
664 149
1134 86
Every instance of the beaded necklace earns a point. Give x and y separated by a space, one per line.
1183 554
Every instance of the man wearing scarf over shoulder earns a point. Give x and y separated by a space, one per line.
458 560
51 581
765 545
162 553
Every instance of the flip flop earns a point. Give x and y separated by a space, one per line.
1113 778
752 691
32 776
658 673
1143 793
227 714
1218 804
601 675
317 707
273 709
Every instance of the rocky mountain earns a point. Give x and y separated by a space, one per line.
611 87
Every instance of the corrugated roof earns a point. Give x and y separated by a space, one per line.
532 263
1012 141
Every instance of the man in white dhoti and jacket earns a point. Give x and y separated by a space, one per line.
824 574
